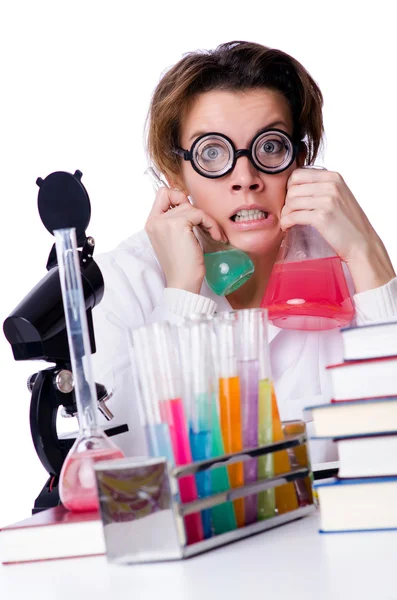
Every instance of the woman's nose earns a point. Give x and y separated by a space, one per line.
245 177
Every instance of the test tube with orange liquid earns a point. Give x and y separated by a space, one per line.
230 401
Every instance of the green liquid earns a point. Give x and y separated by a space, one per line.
227 270
223 517
267 498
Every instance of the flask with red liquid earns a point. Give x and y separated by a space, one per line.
77 483
307 289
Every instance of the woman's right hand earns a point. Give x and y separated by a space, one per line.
173 240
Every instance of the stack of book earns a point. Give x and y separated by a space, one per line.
361 420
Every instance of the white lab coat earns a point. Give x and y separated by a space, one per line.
136 294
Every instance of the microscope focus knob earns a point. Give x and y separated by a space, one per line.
30 381
64 381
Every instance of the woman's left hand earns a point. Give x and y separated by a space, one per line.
322 199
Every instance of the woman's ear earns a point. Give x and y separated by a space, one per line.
302 153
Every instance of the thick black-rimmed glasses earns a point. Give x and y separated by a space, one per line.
214 155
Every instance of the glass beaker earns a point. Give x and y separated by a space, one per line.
226 268
307 289
77 483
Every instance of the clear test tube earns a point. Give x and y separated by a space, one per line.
248 323
266 499
163 375
144 379
230 401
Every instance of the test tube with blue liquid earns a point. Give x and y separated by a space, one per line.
198 347
195 347
144 377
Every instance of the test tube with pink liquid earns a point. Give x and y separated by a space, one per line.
159 368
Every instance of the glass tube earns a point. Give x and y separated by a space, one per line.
77 484
230 401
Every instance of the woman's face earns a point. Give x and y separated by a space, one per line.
239 116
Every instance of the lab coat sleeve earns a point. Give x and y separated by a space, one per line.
378 304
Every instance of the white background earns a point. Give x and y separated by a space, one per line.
75 83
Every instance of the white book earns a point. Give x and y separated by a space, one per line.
370 341
367 456
52 533
354 417
370 378
358 504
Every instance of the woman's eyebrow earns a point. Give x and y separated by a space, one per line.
272 125
196 135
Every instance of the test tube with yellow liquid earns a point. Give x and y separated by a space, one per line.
230 402
267 498
286 498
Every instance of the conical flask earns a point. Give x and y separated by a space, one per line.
307 289
77 484
226 268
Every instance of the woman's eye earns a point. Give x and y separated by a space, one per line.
272 147
212 153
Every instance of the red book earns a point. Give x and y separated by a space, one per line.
364 379
52 534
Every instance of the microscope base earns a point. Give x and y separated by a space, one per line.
48 497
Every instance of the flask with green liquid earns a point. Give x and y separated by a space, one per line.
226 268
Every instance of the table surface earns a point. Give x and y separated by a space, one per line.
292 561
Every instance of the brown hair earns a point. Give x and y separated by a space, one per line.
234 66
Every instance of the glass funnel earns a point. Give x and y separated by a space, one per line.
226 267
77 484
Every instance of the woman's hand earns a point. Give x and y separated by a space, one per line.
322 199
173 240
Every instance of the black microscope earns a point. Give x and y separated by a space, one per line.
36 330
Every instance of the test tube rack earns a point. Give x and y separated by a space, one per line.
143 519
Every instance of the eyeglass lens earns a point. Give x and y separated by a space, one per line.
214 154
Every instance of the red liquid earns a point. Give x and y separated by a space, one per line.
172 413
309 295
77 485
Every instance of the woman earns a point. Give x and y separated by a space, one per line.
239 91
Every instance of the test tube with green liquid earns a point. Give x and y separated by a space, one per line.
266 498
197 344
223 515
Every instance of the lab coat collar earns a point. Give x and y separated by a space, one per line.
222 304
